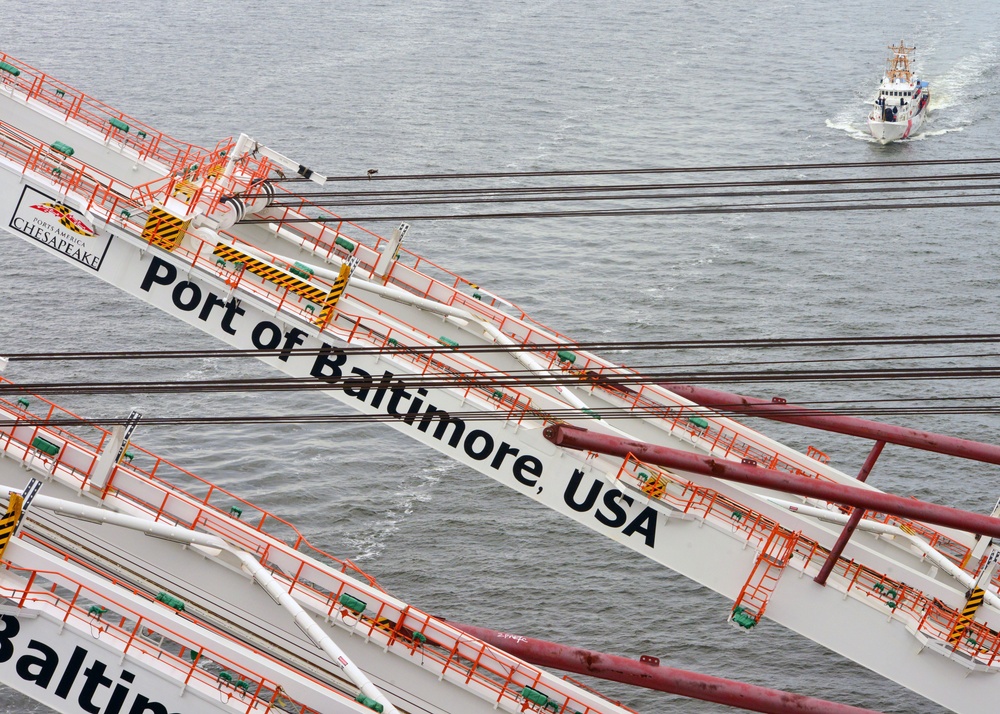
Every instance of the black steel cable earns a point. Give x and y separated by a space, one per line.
621 381
583 346
628 212
611 188
608 413
661 170
913 194
423 201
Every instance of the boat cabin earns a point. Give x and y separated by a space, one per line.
901 96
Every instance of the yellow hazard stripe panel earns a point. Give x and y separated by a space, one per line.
333 297
185 189
974 601
968 614
164 229
9 521
269 272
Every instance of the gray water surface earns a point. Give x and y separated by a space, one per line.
432 86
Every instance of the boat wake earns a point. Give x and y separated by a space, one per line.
415 487
935 132
855 131
933 126
962 90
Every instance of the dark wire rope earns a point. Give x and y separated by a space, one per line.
610 188
629 212
853 407
666 412
720 365
841 184
661 170
942 197
615 381
583 346
942 193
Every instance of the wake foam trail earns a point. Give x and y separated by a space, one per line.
936 132
964 95
855 132
415 487
966 81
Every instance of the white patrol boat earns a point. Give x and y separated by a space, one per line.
902 101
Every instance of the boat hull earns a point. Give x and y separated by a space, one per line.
889 131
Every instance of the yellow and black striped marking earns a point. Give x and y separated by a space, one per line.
654 488
164 229
333 297
270 272
389 627
968 613
184 191
9 521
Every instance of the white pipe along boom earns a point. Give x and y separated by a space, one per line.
264 579
259 573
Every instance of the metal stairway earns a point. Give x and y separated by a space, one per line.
767 569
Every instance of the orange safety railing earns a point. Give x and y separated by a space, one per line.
141 636
583 686
756 529
159 489
74 105
455 653
95 189
950 548
351 327
118 199
322 236
76 457
204 178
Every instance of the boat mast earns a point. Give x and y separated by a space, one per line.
899 63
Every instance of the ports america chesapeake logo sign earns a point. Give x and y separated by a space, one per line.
60 227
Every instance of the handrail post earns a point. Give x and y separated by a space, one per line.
135 628
69 608
27 589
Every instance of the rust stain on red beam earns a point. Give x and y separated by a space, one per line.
576 438
651 676
852 426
